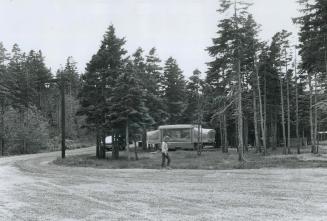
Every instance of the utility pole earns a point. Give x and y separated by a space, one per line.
61 84
63 120
199 146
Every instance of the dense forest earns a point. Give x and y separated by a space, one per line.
265 94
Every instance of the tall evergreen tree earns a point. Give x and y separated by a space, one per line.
38 75
101 74
313 51
174 91
233 53
127 103
71 85
4 92
154 92
279 45
194 91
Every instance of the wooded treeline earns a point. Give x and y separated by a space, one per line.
261 93
30 103
127 95
254 93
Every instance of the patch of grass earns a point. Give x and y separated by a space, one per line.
190 160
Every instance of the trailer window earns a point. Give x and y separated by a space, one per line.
178 135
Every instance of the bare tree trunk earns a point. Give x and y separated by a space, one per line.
103 149
262 123
297 113
311 117
2 127
117 144
264 136
59 115
297 107
316 117
2 146
288 115
97 152
225 135
257 141
246 134
274 131
24 146
144 141
288 107
135 151
240 114
283 117
325 54
22 125
221 133
127 141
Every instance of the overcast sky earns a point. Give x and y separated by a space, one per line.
178 28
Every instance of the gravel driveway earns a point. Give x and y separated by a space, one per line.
32 188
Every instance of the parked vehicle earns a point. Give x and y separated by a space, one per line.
182 136
109 144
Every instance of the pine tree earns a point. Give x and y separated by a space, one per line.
72 77
147 84
194 89
279 45
173 84
313 51
38 75
3 95
72 85
154 92
127 103
97 83
233 52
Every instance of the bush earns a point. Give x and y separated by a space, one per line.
25 131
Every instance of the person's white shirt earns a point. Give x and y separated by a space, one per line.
164 147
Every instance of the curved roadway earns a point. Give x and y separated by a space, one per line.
32 188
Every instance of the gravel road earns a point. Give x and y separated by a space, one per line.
32 188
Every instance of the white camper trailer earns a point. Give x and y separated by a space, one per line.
182 136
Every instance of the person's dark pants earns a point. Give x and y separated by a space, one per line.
164 156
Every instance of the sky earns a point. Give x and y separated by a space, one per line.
178 28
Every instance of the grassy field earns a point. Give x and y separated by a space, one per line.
212 159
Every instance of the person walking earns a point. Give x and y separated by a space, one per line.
164 152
